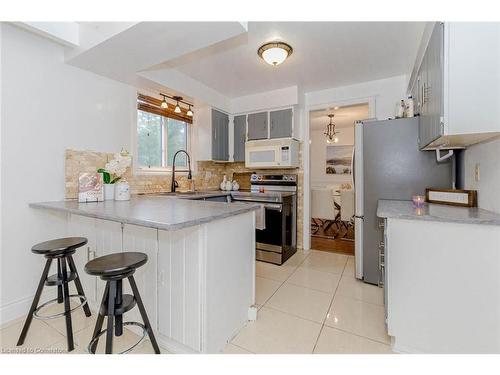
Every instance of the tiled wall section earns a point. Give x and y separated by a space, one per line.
208 177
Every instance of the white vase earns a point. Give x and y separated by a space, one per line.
223 184
122 191
109 192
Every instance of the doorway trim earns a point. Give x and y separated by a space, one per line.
306 219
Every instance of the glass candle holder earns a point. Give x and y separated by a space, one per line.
418 201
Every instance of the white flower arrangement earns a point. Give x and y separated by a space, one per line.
116 168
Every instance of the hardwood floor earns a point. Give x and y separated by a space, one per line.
323 239
331 245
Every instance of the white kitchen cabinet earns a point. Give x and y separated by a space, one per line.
179 287
458 85
80 226
443 286
198 308
143 240
109 240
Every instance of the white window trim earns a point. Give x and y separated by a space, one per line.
138 170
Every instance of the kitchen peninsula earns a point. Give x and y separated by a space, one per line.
198 285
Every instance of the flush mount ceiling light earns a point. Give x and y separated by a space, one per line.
275 53
330 133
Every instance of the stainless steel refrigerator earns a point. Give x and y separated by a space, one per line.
388 165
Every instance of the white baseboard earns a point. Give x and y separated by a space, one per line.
173 346
14 310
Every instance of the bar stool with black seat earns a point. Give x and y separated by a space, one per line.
113 269
60 249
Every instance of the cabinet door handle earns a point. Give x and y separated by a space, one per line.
89 253
422 94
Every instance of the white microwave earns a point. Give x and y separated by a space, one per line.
272 153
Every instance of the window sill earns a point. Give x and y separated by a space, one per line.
157 171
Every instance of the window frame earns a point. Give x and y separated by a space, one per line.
166 170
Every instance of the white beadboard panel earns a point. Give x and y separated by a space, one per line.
229 285
192 282
178 286
179 303
143 240
81 226
108 241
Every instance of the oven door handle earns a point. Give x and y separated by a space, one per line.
274 207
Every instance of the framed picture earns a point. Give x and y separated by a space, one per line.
90 187
339 159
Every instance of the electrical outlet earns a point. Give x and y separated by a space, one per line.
477 173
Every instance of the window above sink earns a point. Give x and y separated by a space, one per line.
159 134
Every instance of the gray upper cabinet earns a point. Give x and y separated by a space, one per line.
257 126
220 136
430 83
240 127
281 123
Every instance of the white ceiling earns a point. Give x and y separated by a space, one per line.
326 54
344 116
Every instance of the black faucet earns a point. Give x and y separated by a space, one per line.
174 183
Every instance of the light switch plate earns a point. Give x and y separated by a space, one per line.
477 173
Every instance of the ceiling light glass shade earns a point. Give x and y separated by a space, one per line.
275 53
177 108
335 140
164 104
190 112
274 56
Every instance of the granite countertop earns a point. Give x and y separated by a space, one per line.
436 212
190 194
159 212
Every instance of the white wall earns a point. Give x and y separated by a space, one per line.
285 97
487 155
386 92
318 157
50 107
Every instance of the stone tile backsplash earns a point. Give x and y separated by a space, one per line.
207 177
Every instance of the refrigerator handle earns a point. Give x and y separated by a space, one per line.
353 168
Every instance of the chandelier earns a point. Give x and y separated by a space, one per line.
330 133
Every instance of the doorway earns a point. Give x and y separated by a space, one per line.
331 135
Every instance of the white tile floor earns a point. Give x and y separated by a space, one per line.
49 336
312 304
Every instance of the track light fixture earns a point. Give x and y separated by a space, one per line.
164 103
178 99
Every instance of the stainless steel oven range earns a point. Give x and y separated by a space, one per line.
278 194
